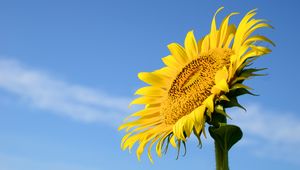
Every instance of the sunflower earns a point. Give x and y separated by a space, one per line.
198 81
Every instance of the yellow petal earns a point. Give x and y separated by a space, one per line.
213 31
255 27
178 53
151 91
221 78
258 38
222 85
154 79
209 103
223 29
198 114
198 127
142 146
199 119
221 74
146 138
205 45
170 61
230 35
242 29
249 27
146 100
130 142
150 147
178 129
141 122
167 71
215 90
188 126
261 50
255 51
191 46
160 143
125 138
146 112
173 142
200 45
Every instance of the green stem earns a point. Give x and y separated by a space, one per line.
221 157
221 154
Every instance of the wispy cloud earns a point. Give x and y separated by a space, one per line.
270 133
45 92
13 162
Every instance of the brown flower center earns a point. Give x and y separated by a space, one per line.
193 84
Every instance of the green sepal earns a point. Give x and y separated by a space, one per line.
224 97
248 62
184 145
239 80
226 136
220 109
233 102
198 137
208 113
167 145
250 72
240 86
258 75
178 149
241 91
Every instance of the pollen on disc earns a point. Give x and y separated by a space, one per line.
193 84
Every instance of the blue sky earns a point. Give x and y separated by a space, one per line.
68 71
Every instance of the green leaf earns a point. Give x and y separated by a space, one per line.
226 136
217 119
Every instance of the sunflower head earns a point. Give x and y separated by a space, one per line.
199 80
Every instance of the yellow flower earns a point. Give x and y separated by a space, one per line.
198 80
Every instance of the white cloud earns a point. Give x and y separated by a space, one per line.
269 133
45 92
